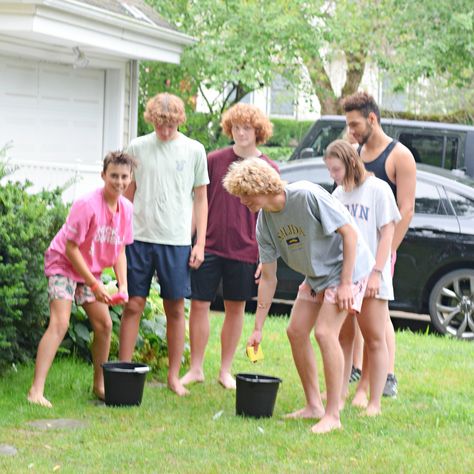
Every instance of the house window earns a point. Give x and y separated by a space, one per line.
282 98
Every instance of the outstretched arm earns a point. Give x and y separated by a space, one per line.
266 290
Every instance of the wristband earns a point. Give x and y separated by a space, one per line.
94 287
376 270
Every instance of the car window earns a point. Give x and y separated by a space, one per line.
432 150
463 206
314 173
430 199
327 134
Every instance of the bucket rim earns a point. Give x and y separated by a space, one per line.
258 378
135 367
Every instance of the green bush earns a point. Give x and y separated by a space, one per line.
288 133
28 222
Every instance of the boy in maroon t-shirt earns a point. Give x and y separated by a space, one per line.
231 253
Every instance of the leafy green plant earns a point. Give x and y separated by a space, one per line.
27 224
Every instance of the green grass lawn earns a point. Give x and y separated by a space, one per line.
429 428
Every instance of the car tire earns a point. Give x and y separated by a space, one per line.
451 304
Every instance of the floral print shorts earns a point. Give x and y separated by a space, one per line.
61 287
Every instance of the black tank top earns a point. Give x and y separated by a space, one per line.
377 166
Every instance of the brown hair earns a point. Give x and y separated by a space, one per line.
353 164
252 176
247 114
119 158
165 108
363 103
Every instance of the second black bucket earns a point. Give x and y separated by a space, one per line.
124 382
256 395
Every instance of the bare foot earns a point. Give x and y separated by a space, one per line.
360 399
192 376
227 381
372 411
306 412
326 424
38 399
177 387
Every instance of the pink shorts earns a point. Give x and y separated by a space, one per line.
329 295
61 287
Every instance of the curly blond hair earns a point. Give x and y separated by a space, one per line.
252 176
165 108
247 114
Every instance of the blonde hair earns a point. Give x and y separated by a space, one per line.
165 108
252 176
246 114
353 164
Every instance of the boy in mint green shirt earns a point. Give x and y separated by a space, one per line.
169 187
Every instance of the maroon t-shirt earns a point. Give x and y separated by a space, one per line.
230 225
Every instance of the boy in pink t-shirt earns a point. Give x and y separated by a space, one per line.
98 227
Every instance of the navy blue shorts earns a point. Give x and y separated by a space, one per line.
171 264
238 279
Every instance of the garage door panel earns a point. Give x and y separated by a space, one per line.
51 112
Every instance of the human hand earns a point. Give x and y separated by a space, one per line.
101 293
197 256
344 296
255 339
258 273
373 285
118 298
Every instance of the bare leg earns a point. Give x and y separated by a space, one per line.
358 352
60 311
346 339
129 326
99 316
303 318
361 399
230 336
373 330
328 327
199 336
391 345
175 334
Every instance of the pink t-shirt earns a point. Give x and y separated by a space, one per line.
99 233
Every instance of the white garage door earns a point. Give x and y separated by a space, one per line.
53 116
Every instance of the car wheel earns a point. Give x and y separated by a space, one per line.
452 304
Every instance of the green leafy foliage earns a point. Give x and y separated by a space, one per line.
27 224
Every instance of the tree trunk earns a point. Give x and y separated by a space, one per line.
322 85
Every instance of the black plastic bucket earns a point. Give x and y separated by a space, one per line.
124 382
256 395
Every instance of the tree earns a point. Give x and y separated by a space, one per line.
242 44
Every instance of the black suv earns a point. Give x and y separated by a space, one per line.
445 145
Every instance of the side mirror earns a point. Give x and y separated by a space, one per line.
306 153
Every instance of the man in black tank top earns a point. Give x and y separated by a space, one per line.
392 162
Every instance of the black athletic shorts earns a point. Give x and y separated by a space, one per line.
238 279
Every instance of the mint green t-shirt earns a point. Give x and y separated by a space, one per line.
166 175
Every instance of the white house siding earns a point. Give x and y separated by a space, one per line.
52 115
126 105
